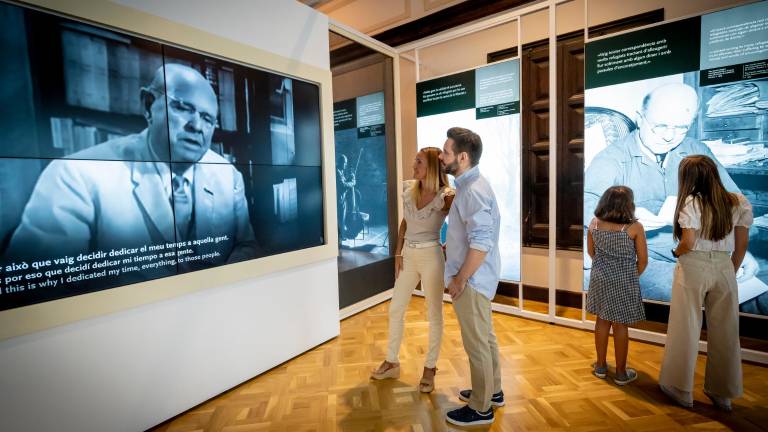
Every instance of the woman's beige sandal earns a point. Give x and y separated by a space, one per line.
387 370
427 383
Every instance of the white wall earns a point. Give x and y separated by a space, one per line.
136 368
284 27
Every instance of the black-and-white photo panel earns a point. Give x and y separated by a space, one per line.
361 174
654 96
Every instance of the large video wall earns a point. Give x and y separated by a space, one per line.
361 174
654 96
125 160
487 101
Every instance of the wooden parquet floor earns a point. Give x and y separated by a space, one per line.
546 375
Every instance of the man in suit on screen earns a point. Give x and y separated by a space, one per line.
161 186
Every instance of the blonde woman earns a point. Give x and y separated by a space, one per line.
419 257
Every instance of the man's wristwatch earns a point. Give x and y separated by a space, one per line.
674 254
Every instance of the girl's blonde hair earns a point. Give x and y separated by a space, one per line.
436 179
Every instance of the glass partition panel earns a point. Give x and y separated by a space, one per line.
366 174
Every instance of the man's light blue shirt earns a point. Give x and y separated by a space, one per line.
474 222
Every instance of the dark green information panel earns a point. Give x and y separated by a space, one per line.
662 50
446 94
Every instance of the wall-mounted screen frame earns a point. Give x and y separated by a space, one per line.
295 222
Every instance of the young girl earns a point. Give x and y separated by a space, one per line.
712 226
616 243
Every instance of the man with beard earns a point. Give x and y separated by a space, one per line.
472 271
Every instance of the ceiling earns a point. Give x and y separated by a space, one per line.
374 16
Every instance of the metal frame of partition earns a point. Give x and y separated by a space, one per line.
516 15
435 41
387 50
373 44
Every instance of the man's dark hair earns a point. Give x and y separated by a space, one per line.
464 140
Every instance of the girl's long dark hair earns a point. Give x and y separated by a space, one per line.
698 178
617 205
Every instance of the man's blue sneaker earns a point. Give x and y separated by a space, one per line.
600 371
497 400
466 416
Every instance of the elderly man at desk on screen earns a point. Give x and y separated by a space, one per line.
647 161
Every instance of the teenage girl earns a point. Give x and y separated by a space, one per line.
712 226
